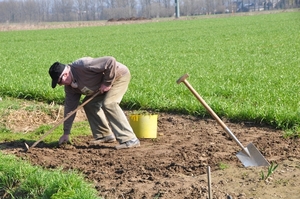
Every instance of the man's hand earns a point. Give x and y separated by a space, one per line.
63 139
104 88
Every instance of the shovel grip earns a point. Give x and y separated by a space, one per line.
211 112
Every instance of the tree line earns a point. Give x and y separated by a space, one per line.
21 11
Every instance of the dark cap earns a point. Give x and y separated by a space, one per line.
55 71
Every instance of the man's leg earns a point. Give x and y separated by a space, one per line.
97 120
115 115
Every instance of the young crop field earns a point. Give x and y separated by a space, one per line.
246 68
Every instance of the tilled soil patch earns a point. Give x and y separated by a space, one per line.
174 165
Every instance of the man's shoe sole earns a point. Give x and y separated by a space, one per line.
104 140
124 146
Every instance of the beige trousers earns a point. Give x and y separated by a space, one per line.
105 115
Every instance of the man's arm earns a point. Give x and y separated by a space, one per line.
71 103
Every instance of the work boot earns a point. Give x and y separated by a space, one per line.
129 144
106 139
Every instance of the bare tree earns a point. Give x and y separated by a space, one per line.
193 7
62 10
43 10
90 9
10 11
145 10
79 8
15 11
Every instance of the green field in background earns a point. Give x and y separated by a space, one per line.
245 67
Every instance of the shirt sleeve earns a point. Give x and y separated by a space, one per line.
71 103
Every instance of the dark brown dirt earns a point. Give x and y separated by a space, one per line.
174 165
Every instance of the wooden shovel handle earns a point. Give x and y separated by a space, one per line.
64 119
212 113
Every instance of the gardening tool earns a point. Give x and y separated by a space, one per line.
249 156
64 119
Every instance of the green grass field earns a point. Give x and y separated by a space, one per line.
245 67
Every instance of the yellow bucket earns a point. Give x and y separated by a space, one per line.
144 126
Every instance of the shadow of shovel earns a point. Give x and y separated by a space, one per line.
250 155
